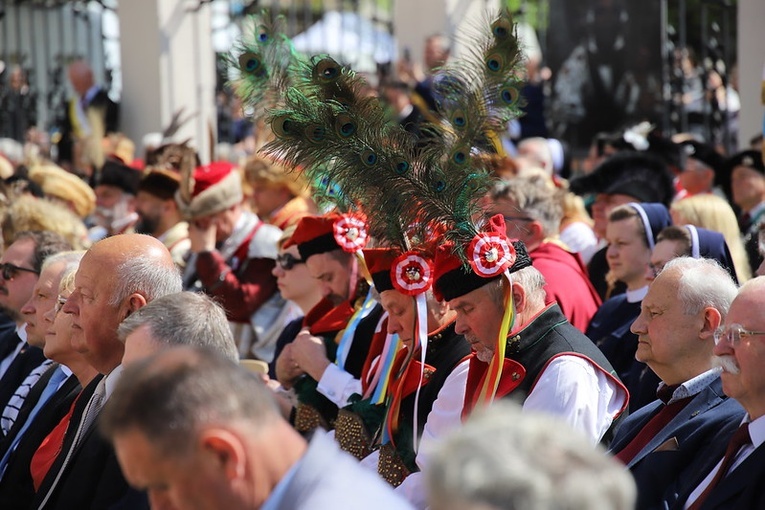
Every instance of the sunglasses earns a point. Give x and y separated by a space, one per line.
9 271
287 261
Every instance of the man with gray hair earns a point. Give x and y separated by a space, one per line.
541 360
196 431
116 277
184 318
533 209
504 459
663 443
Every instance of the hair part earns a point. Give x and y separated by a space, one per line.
534 197
703 283
529 278
506 458
184 318
46 244
146 276
170 397
676 234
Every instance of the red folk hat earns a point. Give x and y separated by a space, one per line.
314 235
489 254
216 187
409 273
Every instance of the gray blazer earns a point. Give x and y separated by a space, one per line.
327 478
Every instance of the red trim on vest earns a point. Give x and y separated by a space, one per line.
377 346
513 374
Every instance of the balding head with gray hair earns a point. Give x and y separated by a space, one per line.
505 459
182 318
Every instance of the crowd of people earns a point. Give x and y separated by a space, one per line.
595 344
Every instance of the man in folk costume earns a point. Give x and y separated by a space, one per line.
232 251
325 362
524 349
413 393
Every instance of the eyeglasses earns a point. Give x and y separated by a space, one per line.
517 218
9 271
60 302
287 261
732 335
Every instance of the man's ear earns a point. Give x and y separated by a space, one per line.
536 232
226 450
712 321
519 297
135 302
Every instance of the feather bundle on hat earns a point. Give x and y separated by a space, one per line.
65 186
325 125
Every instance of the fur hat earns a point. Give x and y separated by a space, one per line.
160 183
213 188
65 186
749 159
453 279
117 174
638 175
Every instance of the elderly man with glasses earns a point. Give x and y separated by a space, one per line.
664 442
734 479
20 267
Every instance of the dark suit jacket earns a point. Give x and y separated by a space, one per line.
672 457
93 478
25 361
16 486
35 392
741 489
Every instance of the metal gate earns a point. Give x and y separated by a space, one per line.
38 39
699 51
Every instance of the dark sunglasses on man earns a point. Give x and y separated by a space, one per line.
287 261
9 271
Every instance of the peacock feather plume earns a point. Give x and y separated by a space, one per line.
265 62
329 128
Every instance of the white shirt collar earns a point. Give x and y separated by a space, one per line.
636 296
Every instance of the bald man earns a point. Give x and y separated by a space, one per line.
116 277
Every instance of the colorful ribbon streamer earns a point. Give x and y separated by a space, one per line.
494 374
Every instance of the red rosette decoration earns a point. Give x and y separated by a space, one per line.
351 233
490 253
412 274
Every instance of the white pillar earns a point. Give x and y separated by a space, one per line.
414 21
168 64
751 59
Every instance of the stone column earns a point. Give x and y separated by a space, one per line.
751 59
168 64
